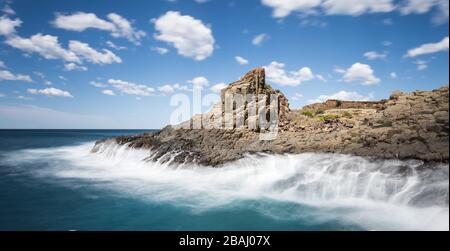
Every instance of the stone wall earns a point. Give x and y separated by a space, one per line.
339 104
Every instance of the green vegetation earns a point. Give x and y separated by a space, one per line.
347 115
308 114
319 111
329 118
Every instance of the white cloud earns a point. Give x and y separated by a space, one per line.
188 35
9 76
173 88
51 92
8 10
89 54
21 97
160 50
199 82
97 84
393 75
421 65
117 25
359 72
45 45
131 88
373 55
276 73
218 87
342 95
2 64
241 60
166 89
429 48
114 46
49 47
8 26
283 8
259 39
297 96
321 78
357 7
125 29
386 43
74 67
109 92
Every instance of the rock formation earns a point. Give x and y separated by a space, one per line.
407 125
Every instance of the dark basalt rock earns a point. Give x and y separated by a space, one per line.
406 126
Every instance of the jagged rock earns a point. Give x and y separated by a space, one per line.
407 125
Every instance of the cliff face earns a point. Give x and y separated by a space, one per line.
408 125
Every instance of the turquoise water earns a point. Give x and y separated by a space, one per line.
49 180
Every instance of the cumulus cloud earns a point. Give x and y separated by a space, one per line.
199 82
131 88
98 84
373 55
424 6
160 50
9 76
217 88
393 75
276 73
421 65
357 7
8 10
283 8
429 48
74 67
259 39
297 96
51 92
116 25
109 92
114 46
172 88
45 45
188 35
240 60
342 95
8 26
359 72
89 54
49 47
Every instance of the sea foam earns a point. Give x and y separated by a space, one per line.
371 194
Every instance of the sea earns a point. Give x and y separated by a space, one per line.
50 180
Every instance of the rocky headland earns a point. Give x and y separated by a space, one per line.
405 126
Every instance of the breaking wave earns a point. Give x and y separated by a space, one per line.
371 194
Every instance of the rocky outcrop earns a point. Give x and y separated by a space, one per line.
339 104
407 125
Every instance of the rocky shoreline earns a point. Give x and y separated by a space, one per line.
405 126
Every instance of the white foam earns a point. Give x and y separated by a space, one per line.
370 194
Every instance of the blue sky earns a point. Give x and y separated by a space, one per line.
116 64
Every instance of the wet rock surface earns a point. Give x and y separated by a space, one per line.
405 126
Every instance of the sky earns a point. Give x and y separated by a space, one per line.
115 64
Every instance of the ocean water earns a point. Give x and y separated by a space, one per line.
49 180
